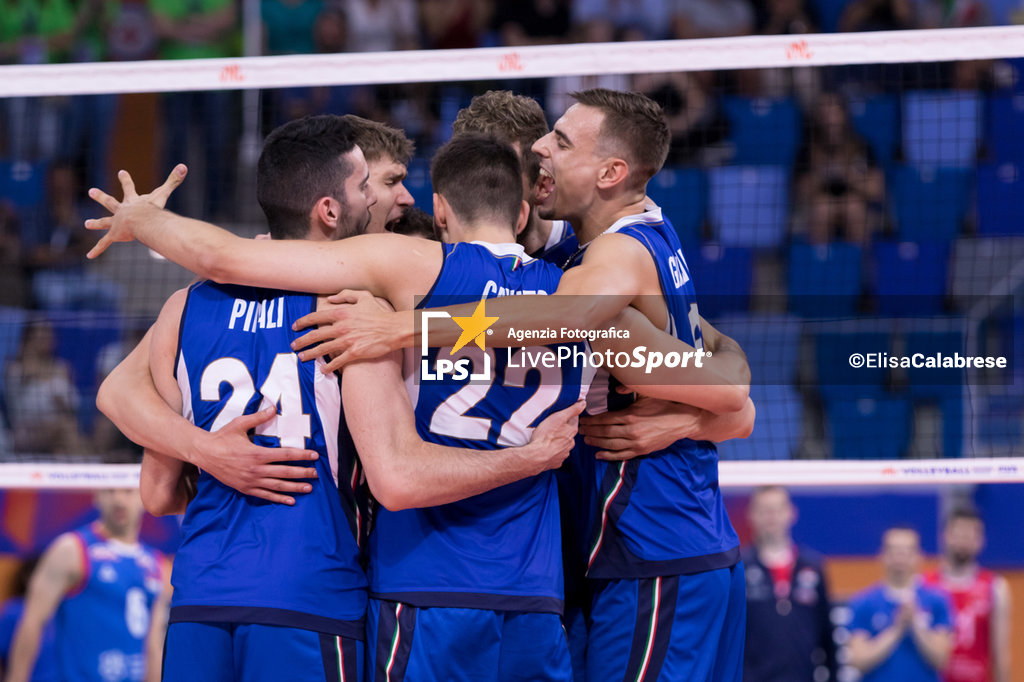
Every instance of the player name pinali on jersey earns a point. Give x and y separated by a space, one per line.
492 289
252 315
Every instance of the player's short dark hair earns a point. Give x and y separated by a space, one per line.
302 161
479 176
415 223
509 117
380 141
964 513
634 129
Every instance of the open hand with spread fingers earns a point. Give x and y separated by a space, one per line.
116 226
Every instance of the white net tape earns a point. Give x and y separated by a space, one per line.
810 473
437 66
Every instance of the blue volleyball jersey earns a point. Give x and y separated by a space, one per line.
101 625
500 550
243 559
662 514
561 245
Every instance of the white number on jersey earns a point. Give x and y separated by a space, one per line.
449 418
281 388
136 612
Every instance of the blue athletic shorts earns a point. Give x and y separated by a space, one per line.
688 627
219 652
449 645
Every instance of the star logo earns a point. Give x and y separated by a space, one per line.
473 327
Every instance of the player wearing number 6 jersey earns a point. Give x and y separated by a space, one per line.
108 593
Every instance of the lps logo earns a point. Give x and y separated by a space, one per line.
474 328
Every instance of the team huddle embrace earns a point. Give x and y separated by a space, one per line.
346 518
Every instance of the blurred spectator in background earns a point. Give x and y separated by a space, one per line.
12 277
330 35
415 223
601 21
784 17
35 32
40 396
10 614
712 18
900 631
104 30
109 596
190 30
878 15
981 603
952 13
532 22
695 119
789 628
54 247
449 24
288 25
839 189
382 25
107 438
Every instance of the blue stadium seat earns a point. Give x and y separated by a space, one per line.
749 205
829 13
1001 199
929 203
418 184
770 341
12 323
869 428
22 183
723 277
910 278
947 338
941 128
777 429
824 281
681 193
832 351
877 119
80 337
1005 128
764 131
999 422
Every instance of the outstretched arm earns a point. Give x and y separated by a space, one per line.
589 296
58 571
389 265
403 471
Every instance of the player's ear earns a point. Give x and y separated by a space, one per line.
524 216
440 211
613 172
327 211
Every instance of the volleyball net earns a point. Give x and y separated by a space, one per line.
849 206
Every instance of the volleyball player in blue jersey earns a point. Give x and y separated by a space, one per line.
275 578
663 556
108 593
397 268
